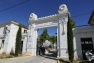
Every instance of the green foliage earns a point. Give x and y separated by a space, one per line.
70 40
72 23
53 39
44 36
18 42
10 56
4 53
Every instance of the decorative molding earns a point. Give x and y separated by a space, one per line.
48 16
63 9
44 25
63 23
84 31
33 16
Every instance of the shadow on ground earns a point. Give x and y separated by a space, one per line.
63 61
51 55
86 62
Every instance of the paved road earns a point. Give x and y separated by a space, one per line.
37 59
45 59
48 58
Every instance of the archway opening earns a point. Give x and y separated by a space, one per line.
47 42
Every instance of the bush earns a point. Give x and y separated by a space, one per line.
4 53
10 56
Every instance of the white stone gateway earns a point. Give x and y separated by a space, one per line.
59 21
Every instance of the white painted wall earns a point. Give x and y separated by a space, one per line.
10 38
24 50
1 31
3 38
1 34
82 33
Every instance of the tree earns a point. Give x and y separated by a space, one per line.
70 40
53 39
44 36
18 42
72 23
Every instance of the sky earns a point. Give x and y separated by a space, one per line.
43 8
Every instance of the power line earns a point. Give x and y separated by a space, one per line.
81 15
82 25
14 6
29 0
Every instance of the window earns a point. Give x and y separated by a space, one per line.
2 44
86 41
2 41
6 28
25 31
4 31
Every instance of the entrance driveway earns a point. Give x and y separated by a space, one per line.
40 59
47 58
37 59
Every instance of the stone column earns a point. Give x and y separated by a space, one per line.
58 48
34 45
62 37
32 40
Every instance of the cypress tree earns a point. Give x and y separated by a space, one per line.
70 40
18 42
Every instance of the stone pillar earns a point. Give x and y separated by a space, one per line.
58 48
34 45
32 40
62 38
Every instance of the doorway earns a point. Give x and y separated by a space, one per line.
21 47
87 45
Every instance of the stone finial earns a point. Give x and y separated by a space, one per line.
63 9
33 16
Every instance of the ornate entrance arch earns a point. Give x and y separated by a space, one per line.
59 20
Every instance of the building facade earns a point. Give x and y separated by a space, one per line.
84 38
8 33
